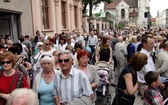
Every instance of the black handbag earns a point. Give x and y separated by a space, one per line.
124 98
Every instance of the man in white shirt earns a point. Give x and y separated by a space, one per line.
92 41
80 38
147 46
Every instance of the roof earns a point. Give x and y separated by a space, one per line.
112 5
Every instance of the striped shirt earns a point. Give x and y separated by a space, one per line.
75 85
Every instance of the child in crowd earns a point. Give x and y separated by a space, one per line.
152 94
103 81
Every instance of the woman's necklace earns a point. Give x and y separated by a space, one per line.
47 77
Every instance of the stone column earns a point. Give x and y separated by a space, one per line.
58 17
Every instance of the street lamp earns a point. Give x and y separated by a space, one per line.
6 0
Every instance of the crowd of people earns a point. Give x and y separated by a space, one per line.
60 68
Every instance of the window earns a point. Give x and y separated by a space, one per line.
63 14
45 14
123 13
75 16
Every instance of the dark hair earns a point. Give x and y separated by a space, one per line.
6 36
137 61
26 36
145 38
15 49
151 76
37 32
21 40
78 45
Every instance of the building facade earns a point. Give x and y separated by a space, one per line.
15 18
56 16
130 12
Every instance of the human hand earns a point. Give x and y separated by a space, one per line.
28 66
5 96
162 86
91 96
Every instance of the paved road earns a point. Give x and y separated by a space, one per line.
101 101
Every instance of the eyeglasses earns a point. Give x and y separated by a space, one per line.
61 60
47 44
46 55
7 62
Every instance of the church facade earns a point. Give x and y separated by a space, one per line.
130 12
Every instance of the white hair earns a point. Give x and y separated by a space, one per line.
28 95
46 57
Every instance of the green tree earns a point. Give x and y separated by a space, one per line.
92 3
98 13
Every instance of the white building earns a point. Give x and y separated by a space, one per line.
131 12
161 19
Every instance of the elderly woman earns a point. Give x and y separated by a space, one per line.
47 48
44 80
10 79
90 70
128 83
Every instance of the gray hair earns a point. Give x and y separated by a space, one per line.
66 52
28 95
47 57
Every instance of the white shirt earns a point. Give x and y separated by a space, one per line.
75 85
150 66
92 40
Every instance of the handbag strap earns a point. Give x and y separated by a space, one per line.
10 88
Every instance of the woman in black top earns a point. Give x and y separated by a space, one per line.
128 84
104 53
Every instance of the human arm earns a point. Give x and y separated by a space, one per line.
130 89
4 96
97 54
124 50
162 66
96 78
86 87
110 58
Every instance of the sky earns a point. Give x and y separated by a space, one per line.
155 6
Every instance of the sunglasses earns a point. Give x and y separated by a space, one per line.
47 44
61 60
46 55
7 62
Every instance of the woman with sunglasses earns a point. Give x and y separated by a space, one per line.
44 80
47 48
90 70
10 79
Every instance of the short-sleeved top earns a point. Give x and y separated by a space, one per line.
6 81
121 82
104 54
75 85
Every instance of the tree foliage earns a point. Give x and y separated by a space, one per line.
92 3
